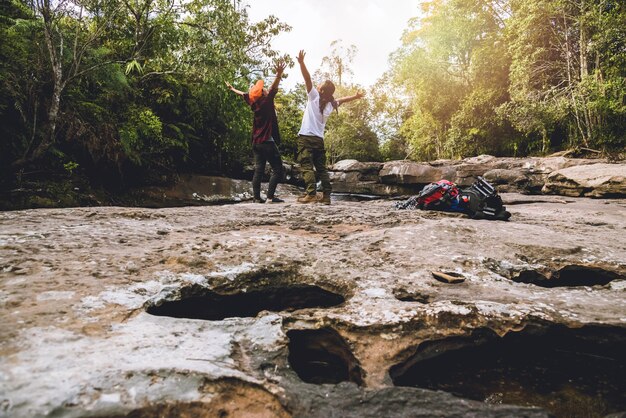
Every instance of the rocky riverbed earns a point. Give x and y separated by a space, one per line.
314 311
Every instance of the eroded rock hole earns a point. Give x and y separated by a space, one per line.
209 305
570 373
322 356
573 275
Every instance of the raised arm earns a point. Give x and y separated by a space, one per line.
347 99
305 72
279 68
234 90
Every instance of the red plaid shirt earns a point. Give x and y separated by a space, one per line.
265 123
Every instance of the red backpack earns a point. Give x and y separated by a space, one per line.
439 195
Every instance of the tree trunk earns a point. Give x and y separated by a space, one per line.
35 152
570 80
53 114
582 47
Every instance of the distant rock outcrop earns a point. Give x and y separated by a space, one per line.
549 175
597 180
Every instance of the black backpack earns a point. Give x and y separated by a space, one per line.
481 201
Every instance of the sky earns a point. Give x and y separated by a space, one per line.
373 26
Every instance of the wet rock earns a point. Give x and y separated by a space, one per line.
203 190
292 173
374 188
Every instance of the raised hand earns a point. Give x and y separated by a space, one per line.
280 66
234 90
359 94
305 72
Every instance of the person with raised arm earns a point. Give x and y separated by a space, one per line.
311 152
265 134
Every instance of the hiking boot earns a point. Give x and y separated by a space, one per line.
275 200
258 200
307 198
324 199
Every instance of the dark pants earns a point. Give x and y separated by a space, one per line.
266 152
312 155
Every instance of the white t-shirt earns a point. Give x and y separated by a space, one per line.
314 121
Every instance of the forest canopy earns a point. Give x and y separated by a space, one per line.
126 91
510 77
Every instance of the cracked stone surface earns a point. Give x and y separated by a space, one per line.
76 283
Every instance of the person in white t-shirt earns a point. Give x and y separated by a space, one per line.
311 152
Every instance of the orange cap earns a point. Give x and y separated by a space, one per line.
256 91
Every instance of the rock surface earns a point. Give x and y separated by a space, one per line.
76 285
597 180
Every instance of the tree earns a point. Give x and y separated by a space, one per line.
567 70
349 134
336 66
69 35
133 88
21 67
453 67
389 110
289 110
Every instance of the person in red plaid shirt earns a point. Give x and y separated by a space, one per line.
265 134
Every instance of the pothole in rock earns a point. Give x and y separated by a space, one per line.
202 303
569 276
569 372
322 356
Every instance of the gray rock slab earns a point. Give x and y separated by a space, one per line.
75 283
408 172
593 180
354 165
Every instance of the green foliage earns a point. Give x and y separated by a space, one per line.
20 82
348 132
127 90
512 77
141 86
70 166
289 110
